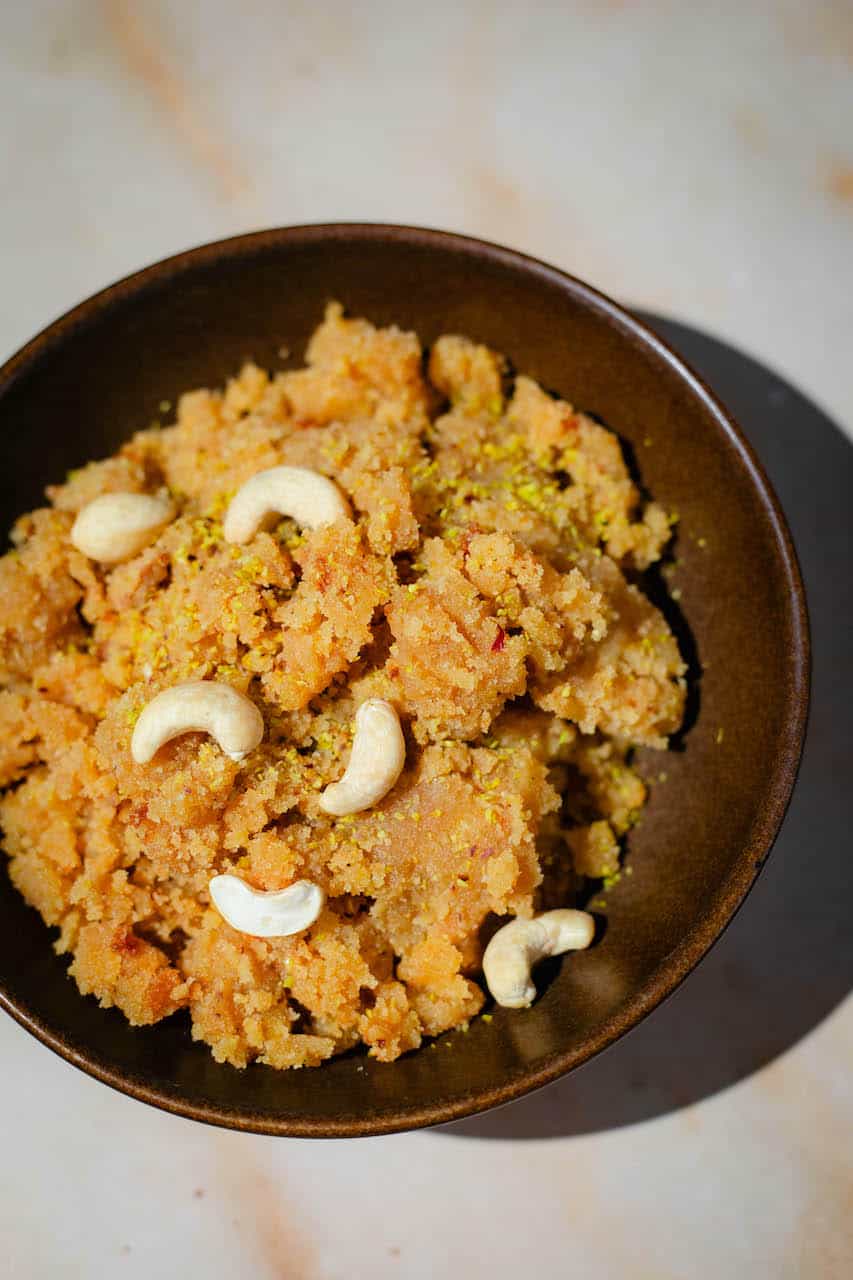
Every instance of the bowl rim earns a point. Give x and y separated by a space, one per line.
732 893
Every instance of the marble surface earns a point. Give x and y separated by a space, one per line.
695 161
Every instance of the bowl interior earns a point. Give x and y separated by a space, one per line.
100 373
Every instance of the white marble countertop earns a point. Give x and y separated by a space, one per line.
692 160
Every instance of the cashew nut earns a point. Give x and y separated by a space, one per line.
376 760
116 526
309 498
266 915
198 706
517 946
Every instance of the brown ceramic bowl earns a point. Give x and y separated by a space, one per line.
99 373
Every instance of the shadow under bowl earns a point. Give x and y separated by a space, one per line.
99 373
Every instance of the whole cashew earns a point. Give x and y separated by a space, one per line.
376 760
117 526
309 498
517 946
266 915
198 706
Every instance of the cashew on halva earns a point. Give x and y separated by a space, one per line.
517 946
306 496
266 915
117 526
198 706
376 761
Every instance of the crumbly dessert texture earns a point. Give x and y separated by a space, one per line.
483 587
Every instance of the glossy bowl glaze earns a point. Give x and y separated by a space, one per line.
99 373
